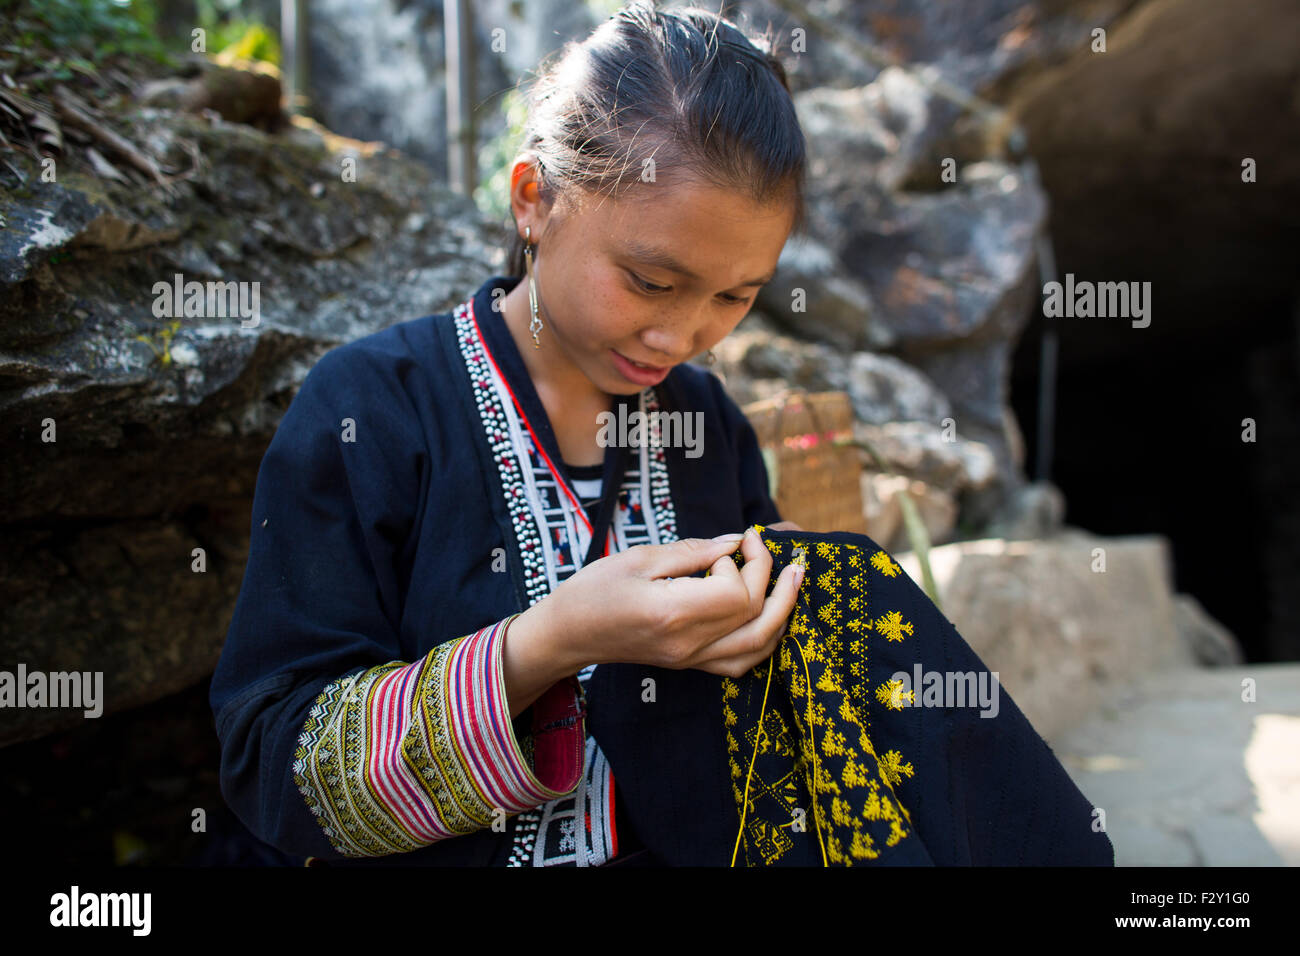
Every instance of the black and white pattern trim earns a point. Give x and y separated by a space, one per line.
575 830
660 494
497 426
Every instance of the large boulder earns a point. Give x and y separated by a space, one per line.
1062 620
133 440
978 44
931 258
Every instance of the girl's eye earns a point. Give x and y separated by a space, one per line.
646 286
656 289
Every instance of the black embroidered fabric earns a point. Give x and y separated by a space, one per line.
876 735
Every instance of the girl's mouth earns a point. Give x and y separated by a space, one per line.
639 372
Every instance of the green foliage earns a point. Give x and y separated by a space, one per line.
605 9
493 193
56 39
251 41
68 36
229 30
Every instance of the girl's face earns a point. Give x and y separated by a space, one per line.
629 288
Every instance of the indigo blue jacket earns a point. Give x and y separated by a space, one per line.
356 560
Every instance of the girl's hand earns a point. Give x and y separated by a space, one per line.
641 607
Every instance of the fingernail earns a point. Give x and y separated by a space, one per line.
730 538
749 531
798 574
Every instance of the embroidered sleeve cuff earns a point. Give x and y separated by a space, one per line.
400 756
486 732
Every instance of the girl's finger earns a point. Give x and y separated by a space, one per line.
718 603
683 558
754 642
757 570
725 567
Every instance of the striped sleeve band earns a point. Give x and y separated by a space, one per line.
400 756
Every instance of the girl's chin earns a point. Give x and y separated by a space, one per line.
614 385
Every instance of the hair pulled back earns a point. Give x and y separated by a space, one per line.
684 88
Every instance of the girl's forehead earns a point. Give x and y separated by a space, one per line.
680 227
669 211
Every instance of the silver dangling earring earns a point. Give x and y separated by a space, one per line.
710 358
535 325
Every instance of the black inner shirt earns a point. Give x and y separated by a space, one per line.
586 473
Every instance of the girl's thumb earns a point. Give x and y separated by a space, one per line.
685 557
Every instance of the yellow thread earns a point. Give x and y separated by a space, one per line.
799 558
812 736
758 737
890 767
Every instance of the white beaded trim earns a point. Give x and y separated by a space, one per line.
661 499
493 413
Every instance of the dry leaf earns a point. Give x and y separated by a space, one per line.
103 167
51 133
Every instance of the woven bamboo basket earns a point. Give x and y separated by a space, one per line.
816 482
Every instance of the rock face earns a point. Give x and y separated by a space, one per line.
1174 158
378 67
917 276
1143 145
125 456
944 278
947 477
1184 93
1212 644
980 44
377 72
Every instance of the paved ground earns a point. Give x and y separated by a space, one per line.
1189 773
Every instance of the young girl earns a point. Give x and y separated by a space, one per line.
475 625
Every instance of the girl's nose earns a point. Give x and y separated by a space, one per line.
673 339
669 346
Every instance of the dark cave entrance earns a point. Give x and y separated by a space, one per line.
1174 158
1148 439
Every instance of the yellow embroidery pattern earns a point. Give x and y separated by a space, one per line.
798 725
890 693
893 626
885 564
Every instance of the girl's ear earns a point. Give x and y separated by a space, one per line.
521 166
532 189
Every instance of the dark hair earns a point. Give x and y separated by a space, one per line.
685 87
